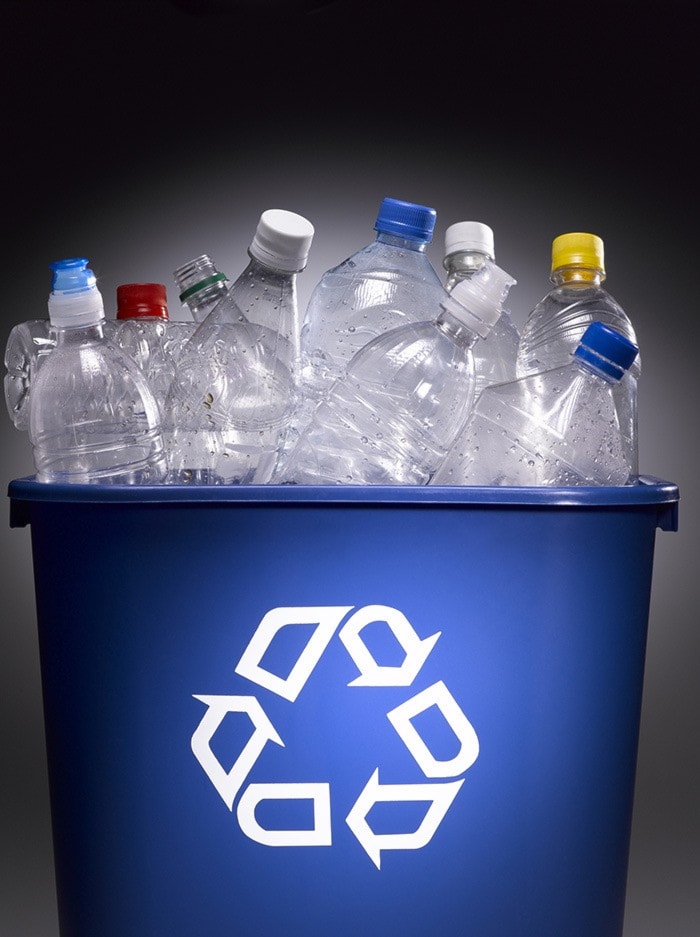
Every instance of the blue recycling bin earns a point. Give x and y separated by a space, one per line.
285 711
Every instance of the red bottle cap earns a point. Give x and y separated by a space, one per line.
142 300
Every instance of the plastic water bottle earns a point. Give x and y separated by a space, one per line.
27 346
392 416
468 245
388 283
144 330
556 427
92 415
234 396
557 323
200 286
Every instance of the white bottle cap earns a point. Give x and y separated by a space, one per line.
469 236
478 302
282 240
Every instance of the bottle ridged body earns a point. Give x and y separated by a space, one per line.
93 417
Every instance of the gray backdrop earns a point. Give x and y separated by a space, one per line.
142 134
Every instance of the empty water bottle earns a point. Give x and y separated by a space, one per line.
93 417
234 395
27 346
557 323
557 427
404 396
468 245
200 286
388 283
144 330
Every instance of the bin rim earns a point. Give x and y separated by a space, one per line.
647 490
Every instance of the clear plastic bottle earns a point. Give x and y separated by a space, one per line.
93 417
27 347
234 396
388 283
468 245
555 326
392 416
556 427
144 330
200 286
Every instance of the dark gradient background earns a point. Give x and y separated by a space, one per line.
142 134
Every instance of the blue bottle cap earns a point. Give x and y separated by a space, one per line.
606 349
406 220
72 275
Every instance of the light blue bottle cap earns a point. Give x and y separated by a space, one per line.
607 350
406 220
72 275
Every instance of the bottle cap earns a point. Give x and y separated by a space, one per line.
74 299
607 350
406 220
142 301
282 240
197 275
578 250
478 302
469 236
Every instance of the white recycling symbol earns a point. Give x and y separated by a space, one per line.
438 792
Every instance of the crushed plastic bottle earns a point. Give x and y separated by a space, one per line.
93 417
556 324
557 427
392 416
468 246
234 395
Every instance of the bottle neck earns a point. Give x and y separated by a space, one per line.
462 265
79 334
590 369
577 275
455 329
408 244
260 271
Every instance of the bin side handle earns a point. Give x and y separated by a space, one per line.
20 514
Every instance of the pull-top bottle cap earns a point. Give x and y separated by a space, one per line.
406 220
142 301
607 350
578 249
196 275
478 302
469 236
282 240
74 299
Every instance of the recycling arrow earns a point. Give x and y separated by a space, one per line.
326 618
371 673
228 783
439 795
436 695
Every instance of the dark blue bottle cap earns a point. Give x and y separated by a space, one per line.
406 220
607 350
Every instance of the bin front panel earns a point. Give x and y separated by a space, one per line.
299 719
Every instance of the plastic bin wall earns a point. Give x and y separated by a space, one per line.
276 712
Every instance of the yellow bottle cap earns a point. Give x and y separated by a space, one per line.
578 250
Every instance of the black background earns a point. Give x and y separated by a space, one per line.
140 134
